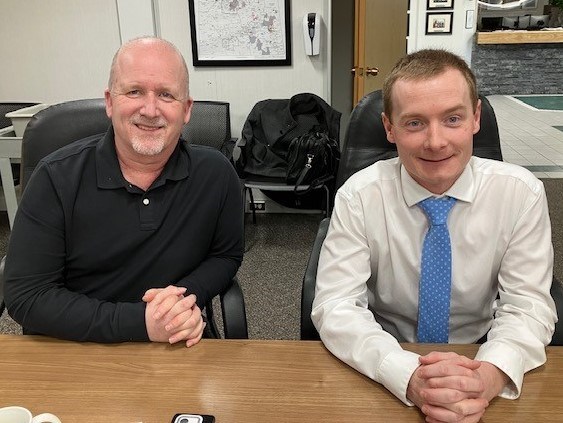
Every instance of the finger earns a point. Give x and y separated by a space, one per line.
169 296
435 357
444 396
150 294
452 394
185 321
460 411
471 385
445 368
164 308
180 313
192 332
193 341
474 418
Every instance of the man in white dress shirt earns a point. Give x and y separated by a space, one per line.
366 299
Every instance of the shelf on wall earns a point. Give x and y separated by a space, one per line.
520 37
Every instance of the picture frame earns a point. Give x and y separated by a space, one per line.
240 33
439 23
439 4
530 4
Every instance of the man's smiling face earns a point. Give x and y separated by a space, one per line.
432 124
148 102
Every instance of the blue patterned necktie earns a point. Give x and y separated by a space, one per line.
435 273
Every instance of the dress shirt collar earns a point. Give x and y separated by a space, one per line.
109 174
463 188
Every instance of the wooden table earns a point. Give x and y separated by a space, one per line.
237 381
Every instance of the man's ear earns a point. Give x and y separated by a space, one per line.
189 104
477 118
388 128
107 97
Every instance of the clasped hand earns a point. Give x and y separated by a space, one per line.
171 317
448 387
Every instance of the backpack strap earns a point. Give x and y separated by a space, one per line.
303 173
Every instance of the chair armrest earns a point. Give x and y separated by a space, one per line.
234 312
557 294
308 330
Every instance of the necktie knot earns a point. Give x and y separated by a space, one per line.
437 209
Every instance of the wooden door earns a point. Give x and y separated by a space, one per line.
380 39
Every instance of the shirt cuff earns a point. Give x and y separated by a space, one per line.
507 360
395 373
132 326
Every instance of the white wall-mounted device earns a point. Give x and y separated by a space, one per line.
312 33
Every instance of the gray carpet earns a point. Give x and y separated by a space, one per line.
278 247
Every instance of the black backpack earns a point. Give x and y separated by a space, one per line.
312 159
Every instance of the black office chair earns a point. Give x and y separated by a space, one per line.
274 123
210 125
61 124
364 144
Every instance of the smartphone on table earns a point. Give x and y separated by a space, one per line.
193 418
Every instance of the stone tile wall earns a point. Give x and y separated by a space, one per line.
518 68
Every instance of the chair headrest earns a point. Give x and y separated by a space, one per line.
59 125
365 141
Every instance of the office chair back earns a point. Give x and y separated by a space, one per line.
59 125
210 125
366 141
53 128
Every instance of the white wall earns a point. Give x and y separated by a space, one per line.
56 50
136 18
59 50
460 41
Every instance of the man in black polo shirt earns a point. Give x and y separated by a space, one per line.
126 237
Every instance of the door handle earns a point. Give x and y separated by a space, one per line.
360 71
355 69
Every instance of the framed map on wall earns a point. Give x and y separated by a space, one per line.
240 32
440 4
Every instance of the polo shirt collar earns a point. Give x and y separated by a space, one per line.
463 188
109 174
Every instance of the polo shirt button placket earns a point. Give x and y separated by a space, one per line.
146 201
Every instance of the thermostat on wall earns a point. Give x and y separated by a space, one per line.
469 18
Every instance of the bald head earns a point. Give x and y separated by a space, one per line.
158 44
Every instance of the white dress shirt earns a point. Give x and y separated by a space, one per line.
366 299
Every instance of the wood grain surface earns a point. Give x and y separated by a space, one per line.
236 381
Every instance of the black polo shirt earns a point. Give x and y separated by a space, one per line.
86 244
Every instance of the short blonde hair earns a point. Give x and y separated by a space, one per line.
426 64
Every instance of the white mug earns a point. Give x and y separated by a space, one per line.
23 415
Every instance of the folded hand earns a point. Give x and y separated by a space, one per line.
171 317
